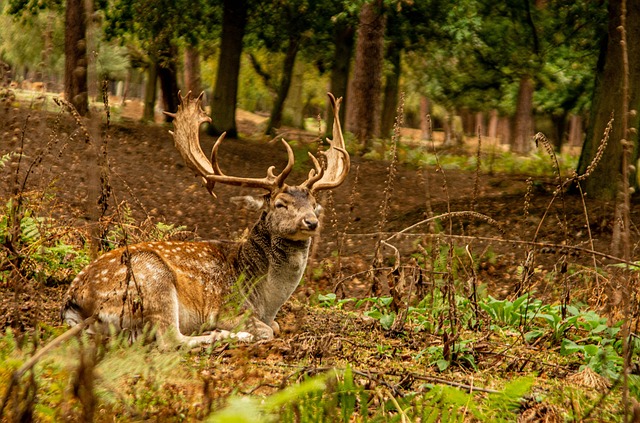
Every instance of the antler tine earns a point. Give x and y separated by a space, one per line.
187 121
338 161
314 174
271 182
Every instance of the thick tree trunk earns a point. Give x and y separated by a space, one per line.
391 91
294 105
168 76
149 114
287 70
607 99
343 37
523 128
192 80
576 134
75 49
225 94
368 74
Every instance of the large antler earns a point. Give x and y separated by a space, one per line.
337 158
187 121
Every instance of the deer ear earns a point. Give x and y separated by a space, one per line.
249 202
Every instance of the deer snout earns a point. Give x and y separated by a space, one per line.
310 223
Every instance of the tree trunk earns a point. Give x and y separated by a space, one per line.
367 74
426 125
576 135
479 128
607 99
75 49
494 119
225 94
504 130
560 129
168 76
192 80
523 128
343 37
287 70
293 105
149 114
391 90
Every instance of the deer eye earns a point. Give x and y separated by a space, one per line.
280 204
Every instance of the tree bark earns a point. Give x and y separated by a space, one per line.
391 91
368 74
149 114
275 121
294 105
168 76
607 99
523 128
494 119
192 79
576 135
75 49
343 37
225 94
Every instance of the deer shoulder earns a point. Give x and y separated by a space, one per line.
198 292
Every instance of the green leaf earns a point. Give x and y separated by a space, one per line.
386 321
442 364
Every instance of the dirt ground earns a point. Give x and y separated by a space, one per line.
147 174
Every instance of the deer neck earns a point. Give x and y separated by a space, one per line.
273 267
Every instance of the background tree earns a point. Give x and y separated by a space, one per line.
289 28
225 94
158 34
608 100
367 74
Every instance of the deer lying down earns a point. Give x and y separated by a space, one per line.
234 289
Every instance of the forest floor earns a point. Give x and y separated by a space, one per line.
149 184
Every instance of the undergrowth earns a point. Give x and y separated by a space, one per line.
427 343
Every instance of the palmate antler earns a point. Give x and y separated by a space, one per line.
337 158
190 116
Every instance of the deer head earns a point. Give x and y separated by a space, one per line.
292 210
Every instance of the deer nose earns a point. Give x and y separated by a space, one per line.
310 223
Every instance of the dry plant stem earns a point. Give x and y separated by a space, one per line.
586 216
387 194
518 242
341 236
28 365
370 374
476 180
450 215
625 205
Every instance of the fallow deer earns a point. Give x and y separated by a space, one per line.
229 289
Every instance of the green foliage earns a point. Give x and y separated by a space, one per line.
50 254
22 43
